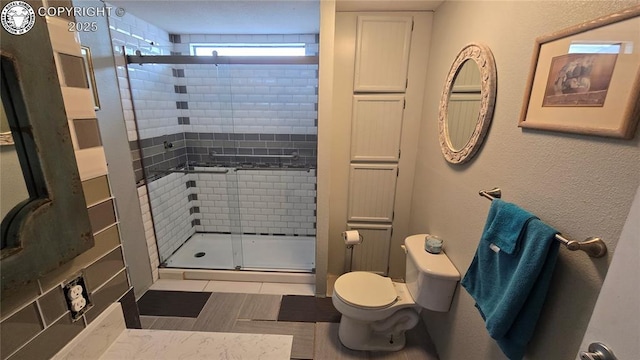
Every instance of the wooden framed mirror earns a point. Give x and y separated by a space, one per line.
466 106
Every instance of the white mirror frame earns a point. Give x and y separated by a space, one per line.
483 57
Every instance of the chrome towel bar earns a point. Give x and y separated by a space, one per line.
593 246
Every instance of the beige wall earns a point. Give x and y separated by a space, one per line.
581 185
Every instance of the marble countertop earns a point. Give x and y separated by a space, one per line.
163 344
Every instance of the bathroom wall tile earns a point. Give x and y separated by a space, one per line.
260 307
14 301
103 269
102 215
96 190
73 71
108 294
53 305
109 238
18 329
303 334
87 133
105 242
50 341
219 313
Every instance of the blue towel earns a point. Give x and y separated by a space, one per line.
510 274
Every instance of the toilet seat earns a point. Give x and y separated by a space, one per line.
365 290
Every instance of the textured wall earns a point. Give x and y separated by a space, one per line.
581 185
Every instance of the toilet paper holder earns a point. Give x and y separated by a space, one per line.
351 238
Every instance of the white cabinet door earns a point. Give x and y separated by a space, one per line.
376 126
372 190
382 53
373 253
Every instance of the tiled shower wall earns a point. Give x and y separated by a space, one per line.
274 202
169 197
218 115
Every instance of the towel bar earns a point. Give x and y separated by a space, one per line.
594 246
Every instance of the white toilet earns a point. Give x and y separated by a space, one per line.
376 312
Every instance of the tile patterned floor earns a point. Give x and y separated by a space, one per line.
254 308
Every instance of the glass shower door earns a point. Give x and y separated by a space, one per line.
273 110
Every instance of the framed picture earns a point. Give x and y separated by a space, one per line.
88 66
586 79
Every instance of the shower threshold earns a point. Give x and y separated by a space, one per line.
232 275
261 254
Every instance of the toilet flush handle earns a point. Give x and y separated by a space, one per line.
403 248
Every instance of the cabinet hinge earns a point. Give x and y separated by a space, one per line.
406 83
404 104
397 172
399 153
412 22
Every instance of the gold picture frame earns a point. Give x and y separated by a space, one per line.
91 79
586 79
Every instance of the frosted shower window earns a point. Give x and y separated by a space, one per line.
292 49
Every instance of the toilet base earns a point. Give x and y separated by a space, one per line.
360 335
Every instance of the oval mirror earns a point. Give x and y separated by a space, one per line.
466 106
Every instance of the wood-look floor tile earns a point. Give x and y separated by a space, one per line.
147 321
303 334
220 312
419 344
173 323
328 346
260 307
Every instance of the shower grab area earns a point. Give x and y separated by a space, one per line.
228 153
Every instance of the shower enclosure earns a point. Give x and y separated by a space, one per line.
229 156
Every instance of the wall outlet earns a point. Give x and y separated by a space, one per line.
77 297
78 304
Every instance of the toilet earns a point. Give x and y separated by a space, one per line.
376 312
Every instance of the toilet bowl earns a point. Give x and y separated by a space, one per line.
376 312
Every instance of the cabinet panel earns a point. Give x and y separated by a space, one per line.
382 53
372 190
376 127
373 253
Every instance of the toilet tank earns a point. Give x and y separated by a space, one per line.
431 278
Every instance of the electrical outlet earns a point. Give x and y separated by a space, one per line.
78 304
75 292
77 297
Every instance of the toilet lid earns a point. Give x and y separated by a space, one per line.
365 289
